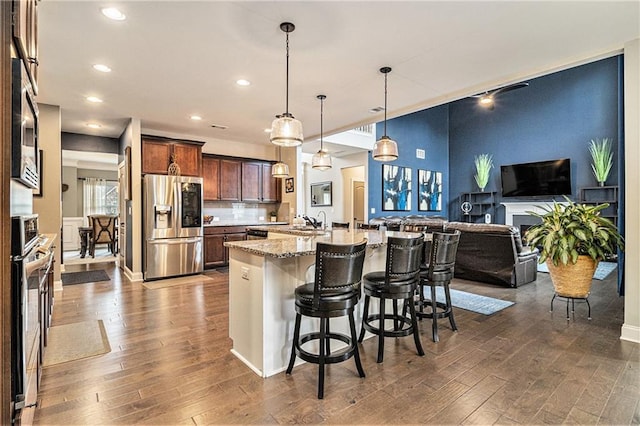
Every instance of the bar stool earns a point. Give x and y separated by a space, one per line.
335 292
438 272
397 282
341 225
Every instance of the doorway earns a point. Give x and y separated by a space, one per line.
358 198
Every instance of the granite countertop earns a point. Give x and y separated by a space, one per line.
242 223
306 245
46 241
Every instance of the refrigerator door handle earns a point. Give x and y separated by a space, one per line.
176 241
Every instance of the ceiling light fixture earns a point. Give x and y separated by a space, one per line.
94 99
113 13
486 100
243 82
321 160
385 148
280 169
101 68
94 125
195 118
285 129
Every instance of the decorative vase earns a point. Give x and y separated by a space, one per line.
482 189
573 280
600 183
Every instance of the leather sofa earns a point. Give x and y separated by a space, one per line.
489 253
493 253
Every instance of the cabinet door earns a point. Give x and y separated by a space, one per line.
230 180
270 185
240 236
189 157
251 181
211 175
155 157
25 32
215 253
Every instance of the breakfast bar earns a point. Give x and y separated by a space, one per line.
263 275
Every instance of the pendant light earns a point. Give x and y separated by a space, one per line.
285 129
321 160
280 169
385 148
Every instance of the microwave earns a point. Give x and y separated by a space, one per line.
24 128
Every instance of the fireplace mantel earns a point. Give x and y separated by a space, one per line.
523 209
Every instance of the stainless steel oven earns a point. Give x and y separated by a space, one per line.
29 268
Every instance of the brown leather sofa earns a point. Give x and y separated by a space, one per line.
493 253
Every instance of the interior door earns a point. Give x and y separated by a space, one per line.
358 202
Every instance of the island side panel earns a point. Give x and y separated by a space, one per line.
246 277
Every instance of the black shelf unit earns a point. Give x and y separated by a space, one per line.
602 194
481 204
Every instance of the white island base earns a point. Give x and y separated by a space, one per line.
262 311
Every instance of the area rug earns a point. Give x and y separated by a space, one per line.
70 342
471 302
602 271
171 282
70 278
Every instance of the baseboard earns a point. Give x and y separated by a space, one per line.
133 276
57 285
630 333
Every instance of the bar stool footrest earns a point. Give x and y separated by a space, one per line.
366 323
342 354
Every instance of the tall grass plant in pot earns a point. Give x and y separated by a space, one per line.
484 164
573 238
601 158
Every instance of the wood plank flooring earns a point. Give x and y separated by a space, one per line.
170 364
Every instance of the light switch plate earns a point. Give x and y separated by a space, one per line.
373 210
244 273
420 153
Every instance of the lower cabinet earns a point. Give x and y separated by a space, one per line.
215 253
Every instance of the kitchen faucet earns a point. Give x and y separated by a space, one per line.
324 221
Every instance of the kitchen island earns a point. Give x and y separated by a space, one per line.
263 275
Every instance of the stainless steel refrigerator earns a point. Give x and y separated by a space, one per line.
173 234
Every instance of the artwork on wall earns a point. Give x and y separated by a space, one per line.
396 188
288 185
429 190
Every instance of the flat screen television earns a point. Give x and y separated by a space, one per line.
540 178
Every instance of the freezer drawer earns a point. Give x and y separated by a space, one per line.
172 257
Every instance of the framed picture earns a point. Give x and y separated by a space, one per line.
396 188
38 191
429 191
288 185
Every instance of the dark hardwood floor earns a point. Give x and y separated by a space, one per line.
170 364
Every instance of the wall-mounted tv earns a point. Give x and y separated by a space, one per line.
541 178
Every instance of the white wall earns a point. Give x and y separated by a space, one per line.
631 326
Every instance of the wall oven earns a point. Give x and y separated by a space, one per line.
24 128
29 269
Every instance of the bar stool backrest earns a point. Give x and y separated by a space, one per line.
403 258
343 225
338 268
444 247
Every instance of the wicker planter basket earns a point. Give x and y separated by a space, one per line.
573 280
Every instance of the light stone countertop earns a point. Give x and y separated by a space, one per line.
306 245
252 223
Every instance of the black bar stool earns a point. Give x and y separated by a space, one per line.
438 272
397 282
335 292
337 225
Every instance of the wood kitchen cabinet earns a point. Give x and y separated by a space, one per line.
215 253
157 152
257 183
221 179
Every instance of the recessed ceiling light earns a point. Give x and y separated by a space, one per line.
101 68
113 13
94 99
267 130
243 82
94 125
195 118
376 110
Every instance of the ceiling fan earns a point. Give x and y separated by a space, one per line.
487 98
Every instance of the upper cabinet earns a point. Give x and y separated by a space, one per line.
157 152
229 179
25 34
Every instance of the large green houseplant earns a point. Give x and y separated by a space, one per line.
573 238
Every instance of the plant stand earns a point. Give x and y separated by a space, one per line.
572 299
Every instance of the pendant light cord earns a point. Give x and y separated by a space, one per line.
287 94
385 104
321 120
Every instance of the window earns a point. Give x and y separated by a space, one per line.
100 196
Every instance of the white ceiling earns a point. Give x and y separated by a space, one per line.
172 59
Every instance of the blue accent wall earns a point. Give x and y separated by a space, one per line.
428 130
555 117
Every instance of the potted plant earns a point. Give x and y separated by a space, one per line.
573 238
602 159
274 216
484 164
